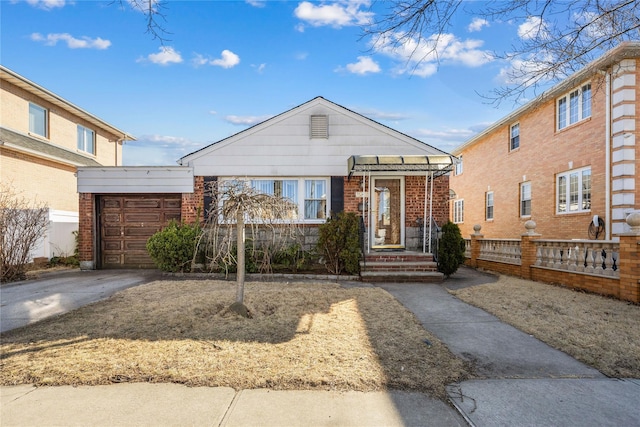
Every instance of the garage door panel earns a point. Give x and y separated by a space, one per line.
126 224
143 217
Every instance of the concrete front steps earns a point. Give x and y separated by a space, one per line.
399 266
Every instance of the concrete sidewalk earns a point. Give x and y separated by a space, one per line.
523 382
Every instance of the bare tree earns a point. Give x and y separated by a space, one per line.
154 12
23 223
562 36
269 221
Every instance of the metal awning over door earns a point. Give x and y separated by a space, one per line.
437 164
431 166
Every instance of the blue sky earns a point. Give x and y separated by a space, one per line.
230 64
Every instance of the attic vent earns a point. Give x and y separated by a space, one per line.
319 127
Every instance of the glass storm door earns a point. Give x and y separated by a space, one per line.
387 213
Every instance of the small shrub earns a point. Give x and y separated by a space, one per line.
451 250
172 248
292 257
339 243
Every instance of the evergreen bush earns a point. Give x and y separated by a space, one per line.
172 248
451 249
339 243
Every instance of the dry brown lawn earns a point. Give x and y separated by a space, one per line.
601 332
301 336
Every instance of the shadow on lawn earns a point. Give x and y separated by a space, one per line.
358 332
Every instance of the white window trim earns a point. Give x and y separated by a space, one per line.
458 211
84 147
567 97
300 196
486 206
522 199
567 175
459 166
46 121
511 147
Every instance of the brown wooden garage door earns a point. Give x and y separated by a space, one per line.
127 221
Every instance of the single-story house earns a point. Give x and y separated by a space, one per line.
323 156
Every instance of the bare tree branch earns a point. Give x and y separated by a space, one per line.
563 35
154 12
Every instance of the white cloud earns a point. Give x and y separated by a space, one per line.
46 4
301 56
533 27
477 24
364 65
227 59
260 67
157 150
166 55
246 120
421 57
337 14
72 43
256 3
458 135
381 115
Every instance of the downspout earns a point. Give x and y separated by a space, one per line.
430 209
607 157
424 215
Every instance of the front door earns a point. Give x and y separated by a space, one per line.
387 213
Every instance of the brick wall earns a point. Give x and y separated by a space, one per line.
544 153
86 230
626 287
193 203
38 179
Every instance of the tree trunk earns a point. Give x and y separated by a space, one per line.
241 262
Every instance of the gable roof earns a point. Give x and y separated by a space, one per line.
39 91
282 145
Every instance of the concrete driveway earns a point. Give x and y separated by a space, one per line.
29 301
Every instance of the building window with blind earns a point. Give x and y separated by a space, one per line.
489 206
514 139
315 199
525 199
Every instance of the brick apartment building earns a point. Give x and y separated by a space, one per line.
43 140
559 160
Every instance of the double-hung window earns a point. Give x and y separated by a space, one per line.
514 138
489 206
573 191
574 106
525 199
86 140
315 199
458 211
38 120
459 168
306 199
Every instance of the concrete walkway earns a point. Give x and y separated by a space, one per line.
524 383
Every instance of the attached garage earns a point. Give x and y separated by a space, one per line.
127 221
121 207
